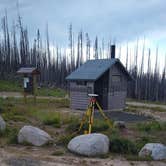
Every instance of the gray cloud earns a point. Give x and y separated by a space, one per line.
123 20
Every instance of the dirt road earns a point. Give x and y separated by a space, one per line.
20 95
139 104
158 112
133 103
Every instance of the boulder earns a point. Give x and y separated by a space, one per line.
2 124
119 124
89 144
156 150
34 136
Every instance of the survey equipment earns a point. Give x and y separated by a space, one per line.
88 116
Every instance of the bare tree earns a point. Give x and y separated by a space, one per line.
96 54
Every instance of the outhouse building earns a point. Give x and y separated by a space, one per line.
106 77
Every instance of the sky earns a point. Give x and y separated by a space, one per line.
123 21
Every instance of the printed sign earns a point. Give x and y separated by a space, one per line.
26 81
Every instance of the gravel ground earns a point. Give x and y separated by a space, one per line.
123 116
127 117
22 156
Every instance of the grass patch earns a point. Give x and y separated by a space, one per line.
137 158
14 114
58 152
151 126
15 86
55 92
44 110
62 103
99 125
10 86
158 109
53 119
10 135
104 156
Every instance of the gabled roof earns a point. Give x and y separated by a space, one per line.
28 70
93 69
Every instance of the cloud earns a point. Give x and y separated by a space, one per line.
123 20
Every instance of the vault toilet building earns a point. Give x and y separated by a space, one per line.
106 77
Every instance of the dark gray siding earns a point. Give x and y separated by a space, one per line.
117 90
79 95
116 101
101 88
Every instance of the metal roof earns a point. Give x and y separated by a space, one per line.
28 70
93 69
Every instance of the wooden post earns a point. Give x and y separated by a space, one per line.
34 88
24 93
25 97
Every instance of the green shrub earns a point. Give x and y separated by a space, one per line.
122 145
142 141
149 126
64 139
73 125
100 125
10 134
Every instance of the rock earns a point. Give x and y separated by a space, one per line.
119 124
33 135
89 144
4 97
156 150
2 124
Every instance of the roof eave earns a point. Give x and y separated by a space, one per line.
78 79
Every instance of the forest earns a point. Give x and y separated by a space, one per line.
18 50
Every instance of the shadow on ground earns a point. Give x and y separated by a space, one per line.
123 116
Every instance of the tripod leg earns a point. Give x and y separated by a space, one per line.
83 120
91 118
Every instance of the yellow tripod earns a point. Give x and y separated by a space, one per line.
89 114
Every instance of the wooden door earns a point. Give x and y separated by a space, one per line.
105 94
